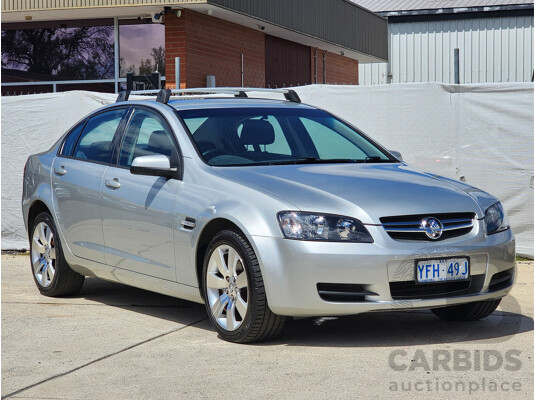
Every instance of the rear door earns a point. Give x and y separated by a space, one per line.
138 212
76 180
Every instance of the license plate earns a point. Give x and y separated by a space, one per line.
442 270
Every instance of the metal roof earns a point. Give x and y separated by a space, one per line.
408 5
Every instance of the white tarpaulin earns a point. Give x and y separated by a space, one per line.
482 134
32 124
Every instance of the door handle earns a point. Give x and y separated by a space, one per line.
60 171
113 184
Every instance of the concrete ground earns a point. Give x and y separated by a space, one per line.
116 342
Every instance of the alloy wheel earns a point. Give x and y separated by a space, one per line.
43 254
227 287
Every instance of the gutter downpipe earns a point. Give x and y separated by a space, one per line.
324 69
316 66
242 70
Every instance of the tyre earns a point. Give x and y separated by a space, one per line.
234 293
50 271
468 311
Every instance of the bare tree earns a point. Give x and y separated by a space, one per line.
145 67
124 69
68 53
158 55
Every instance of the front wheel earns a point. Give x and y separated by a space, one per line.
234 293
51 273
467 312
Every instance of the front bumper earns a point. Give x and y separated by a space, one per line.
293 269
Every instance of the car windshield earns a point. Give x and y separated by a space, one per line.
277 136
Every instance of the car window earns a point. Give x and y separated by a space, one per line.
194 123
146 134
96 139
330 143
279 144
70 141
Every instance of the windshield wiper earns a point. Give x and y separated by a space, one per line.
312 160
372 159
375 159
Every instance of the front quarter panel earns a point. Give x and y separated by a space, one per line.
206 196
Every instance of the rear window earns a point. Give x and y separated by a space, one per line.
96 139
70 141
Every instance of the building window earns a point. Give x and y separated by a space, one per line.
142 48
47 56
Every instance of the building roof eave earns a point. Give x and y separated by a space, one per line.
456 10
340 23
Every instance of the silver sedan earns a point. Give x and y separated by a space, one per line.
262 210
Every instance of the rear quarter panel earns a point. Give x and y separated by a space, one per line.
37 184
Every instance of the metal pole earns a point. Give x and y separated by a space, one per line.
177 72
456 65
241 69
210 81
54 88
116 52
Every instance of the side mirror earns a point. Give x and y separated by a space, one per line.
155 165
396 154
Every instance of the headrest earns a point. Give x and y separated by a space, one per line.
256 132
159 143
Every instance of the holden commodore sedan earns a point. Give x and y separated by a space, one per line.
261 209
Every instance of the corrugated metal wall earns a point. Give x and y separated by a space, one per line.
490 50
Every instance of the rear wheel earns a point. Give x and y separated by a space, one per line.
234 292
51 273
468 311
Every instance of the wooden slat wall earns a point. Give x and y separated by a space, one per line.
25 5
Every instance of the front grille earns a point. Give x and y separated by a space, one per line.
411 290
343 292
409 227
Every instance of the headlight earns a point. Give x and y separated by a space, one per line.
496 219
322 227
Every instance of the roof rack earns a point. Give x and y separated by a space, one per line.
163 95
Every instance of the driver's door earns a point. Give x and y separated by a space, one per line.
138 212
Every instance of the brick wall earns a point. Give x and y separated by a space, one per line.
175 46
340 70
210 46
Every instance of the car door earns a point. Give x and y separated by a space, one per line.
76 180
138 212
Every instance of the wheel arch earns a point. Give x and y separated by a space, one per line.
37 207
209 231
